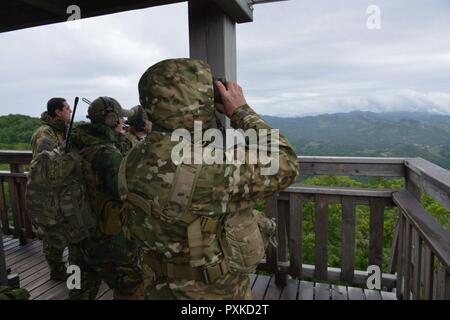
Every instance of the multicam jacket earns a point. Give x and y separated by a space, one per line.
168 200
48 136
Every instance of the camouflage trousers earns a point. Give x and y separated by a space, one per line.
231 286
54 257
113 259
7 293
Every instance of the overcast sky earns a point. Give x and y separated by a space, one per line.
298 57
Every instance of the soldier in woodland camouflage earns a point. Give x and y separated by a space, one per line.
108 255
50 135
196 223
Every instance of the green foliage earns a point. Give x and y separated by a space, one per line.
16 131
368 134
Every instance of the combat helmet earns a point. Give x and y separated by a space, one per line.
108 111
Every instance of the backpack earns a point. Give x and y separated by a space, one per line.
57 197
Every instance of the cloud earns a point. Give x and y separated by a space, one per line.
296 58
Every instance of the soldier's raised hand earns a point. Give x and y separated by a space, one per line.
232 97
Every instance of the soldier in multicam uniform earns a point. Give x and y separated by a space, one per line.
108 255
196 223
50 135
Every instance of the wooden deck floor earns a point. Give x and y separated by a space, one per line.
29 262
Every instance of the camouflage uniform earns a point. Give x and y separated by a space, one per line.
7 293
175 93
50 135
108 255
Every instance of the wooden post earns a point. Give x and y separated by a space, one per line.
4 210
212 37
3 273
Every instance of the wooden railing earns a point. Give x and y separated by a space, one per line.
419 265
14 217
431 239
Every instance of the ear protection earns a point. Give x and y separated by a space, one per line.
111 117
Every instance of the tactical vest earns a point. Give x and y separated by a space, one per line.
237 237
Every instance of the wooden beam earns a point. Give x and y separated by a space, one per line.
436 237
430 178
212 37
52 6
238 10
351 166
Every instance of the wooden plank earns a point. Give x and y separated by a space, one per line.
431 178
38 270
260 287
353 169
20 255
59 292
290 291
334 274
306 290
282 256
24 210
341 191
295 234
3 272
17 249
338 292
272 213
321 237
348 239
428 228
355 293
16 210
4 210
15 156
428 273
372 294
351 160
388 295
43 288
417 265
392 264
322 291
39 274
376 233
273 290
407 262
442 289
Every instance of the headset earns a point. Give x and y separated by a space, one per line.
111 117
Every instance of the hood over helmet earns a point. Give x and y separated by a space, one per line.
177 92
